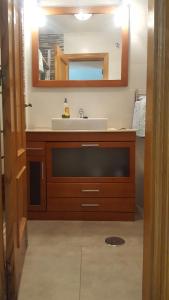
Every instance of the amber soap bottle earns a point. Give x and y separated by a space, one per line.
66 110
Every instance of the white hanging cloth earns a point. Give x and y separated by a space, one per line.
139 116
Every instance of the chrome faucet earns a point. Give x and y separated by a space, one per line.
81 113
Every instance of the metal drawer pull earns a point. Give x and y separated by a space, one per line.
90 205
35 149
90 191
90 145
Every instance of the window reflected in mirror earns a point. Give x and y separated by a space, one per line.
86 70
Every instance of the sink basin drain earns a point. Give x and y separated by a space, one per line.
114 241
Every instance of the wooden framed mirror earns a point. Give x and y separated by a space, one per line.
68 52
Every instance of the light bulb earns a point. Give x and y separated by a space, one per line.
121 16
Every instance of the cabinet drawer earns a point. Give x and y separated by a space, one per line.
90 190
91 204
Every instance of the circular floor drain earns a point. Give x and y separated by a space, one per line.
114 241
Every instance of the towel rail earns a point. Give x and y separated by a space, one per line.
138 94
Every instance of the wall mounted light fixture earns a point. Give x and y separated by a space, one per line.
82 16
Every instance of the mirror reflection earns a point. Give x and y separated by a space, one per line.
80 47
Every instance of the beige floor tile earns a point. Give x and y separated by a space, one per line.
53 267
112 272
55 233
78 233
51 273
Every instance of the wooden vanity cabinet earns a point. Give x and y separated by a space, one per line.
36 176
89 176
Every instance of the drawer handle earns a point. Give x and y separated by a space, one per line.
90 145
36 149
90 191
90 205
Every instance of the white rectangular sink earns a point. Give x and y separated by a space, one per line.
79 124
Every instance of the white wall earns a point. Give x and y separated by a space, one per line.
114 103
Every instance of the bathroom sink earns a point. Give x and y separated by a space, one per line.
79 124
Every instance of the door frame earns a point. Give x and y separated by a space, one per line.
2 258
61 65
156 221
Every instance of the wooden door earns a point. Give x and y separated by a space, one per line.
14 143
61 65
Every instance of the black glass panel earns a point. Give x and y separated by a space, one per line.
90 162
35 182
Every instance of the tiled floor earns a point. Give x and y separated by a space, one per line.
68 260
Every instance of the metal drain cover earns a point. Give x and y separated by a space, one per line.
114 241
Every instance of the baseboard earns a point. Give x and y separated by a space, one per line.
87 216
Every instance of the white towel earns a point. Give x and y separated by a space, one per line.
41 68
139 116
